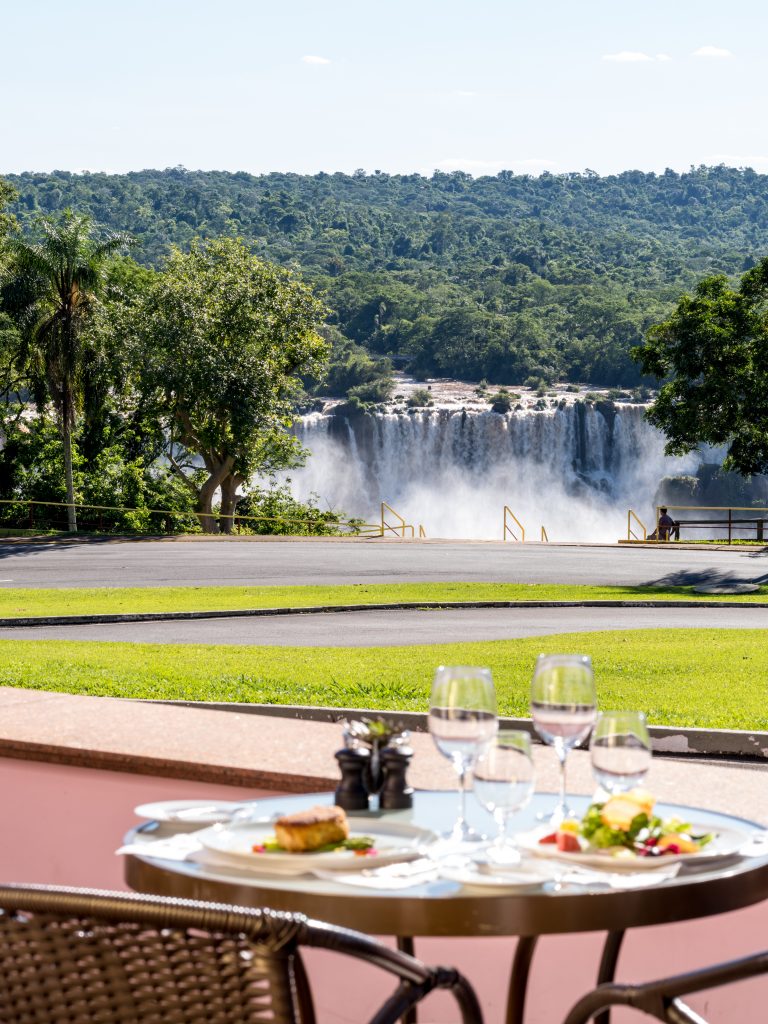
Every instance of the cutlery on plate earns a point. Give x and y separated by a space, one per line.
227 811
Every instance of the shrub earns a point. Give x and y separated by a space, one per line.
501 402
278 512
373 392
419 399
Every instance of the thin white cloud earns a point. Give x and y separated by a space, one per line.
628 57
464 92
530 165
663 56
310 59
711 51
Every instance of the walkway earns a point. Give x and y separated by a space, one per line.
395 628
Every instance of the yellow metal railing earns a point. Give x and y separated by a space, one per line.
401 528
631 535
509 514
757 521
422 531
544 537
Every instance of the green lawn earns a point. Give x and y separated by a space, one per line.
95 600
691 677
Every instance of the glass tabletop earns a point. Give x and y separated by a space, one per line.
441 906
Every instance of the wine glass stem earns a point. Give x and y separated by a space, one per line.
462 797
562 753
502 837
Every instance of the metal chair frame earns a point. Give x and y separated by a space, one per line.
72 955
662 999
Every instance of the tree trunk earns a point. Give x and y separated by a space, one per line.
218 471
208 521
229 500
66 436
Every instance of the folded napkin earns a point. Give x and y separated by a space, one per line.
618 879
403 875
176 847
756 845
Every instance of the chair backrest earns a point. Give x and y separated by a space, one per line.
80 956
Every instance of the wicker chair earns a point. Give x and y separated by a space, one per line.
79 956
662 999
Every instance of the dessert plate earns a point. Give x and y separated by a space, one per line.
727 842
393 841
191 812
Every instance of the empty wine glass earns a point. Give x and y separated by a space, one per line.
621 750
563 709
503 783
463 723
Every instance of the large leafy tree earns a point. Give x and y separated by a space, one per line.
712 354
52 292
224 339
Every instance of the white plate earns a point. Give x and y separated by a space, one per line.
190 812
393 840
727 842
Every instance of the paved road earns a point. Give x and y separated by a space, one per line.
200 563
393 628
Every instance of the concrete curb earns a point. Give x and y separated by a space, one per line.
84 620
217 538
730 744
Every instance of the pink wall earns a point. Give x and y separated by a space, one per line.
63 824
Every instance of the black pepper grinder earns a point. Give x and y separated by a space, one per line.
396 794
351 793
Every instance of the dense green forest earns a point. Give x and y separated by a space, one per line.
501 278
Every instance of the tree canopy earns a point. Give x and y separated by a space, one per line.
51 292
498 278
712 354
221 341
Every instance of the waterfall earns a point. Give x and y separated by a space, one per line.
574 468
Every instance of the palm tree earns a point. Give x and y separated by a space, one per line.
53 294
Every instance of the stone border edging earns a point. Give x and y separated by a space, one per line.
85 620
670 740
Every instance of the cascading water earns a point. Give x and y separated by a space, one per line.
574 468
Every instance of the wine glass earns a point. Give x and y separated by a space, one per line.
620 750
503 783
563 709
463 723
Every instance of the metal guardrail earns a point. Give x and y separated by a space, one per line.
509 514
631 535
29 521
757 521
544 537
401 528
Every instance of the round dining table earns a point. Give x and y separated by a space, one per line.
578 901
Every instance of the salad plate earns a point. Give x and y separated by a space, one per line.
725 843
252 846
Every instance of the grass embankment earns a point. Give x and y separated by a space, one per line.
18 602
685 677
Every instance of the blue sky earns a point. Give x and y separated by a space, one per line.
400 86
